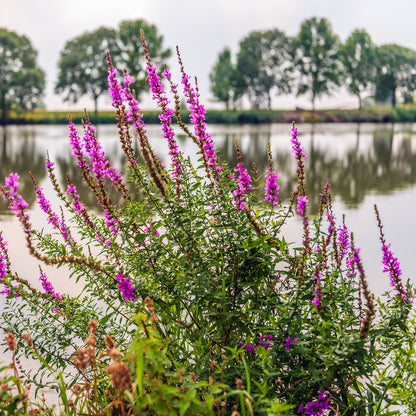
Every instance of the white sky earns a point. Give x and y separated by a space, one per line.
202 28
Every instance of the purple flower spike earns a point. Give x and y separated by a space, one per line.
165 117
271 187
317 407
126 287
244 185
301 207
48 288
290 342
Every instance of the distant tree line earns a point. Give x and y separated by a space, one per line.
313 62
268 63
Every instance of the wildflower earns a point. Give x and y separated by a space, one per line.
264 344
126 287
318 292
290 342
165 117
244 185
271 187
47 286
249 348
301 207
317 407
197 118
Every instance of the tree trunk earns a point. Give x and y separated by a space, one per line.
359 101
393 97
95 106
313 101
3 110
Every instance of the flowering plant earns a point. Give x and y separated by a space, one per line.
190 288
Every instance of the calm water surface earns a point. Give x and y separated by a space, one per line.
367 164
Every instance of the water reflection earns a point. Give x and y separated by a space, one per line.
19 153
358 159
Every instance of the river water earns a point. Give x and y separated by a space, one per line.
366 164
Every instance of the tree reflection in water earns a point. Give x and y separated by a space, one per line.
357 159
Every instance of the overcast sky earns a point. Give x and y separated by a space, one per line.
201 28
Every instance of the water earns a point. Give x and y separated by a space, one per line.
367 164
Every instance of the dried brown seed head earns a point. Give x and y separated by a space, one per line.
11 341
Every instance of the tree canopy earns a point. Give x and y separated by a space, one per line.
22 81
223 79
358 57
83 65
262 64
316 58
131 50
396 72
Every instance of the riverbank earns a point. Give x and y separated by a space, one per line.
374 114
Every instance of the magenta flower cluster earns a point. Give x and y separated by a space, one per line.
17 203
263 343
3 263
317 407
392 266
289 342
165 117
297 149
271 189
243 186
126 287
197 118
47 287
301 206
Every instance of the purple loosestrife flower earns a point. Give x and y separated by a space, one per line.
301 206
290 342
47 287
53 219
317 291
126 287
392 265
197 118
249 348
271 187
264 344
297 149
165 117
317 407
17 204
4 259
244 185
116 91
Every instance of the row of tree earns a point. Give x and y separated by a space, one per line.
268 62
82 66
313 62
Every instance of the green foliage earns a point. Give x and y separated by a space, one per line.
315 51
22 82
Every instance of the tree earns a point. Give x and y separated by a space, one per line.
22 81
263 65
132 56
396 72
358 57
223 79
315 55
83 65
